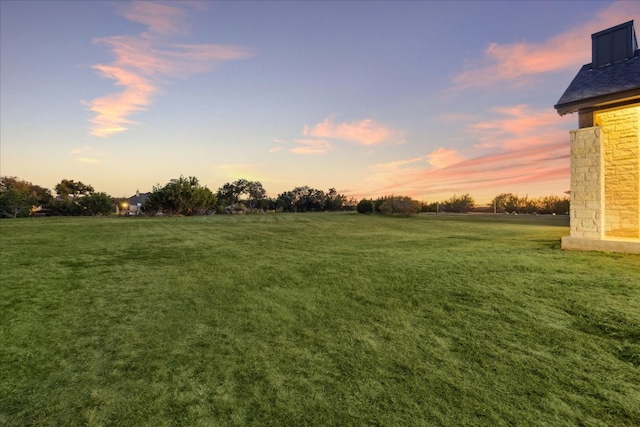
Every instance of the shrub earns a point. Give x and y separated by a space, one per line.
365 206
378 202
390 205
401 205
180 196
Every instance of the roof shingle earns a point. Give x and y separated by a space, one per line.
593 83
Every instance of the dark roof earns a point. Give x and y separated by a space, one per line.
592 87
140 198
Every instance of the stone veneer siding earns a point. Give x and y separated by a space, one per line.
587 184
620 142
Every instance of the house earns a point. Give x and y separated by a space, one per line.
132 205
605 149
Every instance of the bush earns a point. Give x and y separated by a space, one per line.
180 196
390 205
401 205
365 206
461 204
378 202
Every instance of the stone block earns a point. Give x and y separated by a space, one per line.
591 235
621 125
587 214
589 224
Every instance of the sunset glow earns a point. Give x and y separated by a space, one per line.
370 98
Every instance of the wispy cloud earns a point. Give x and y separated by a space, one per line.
145 61
395 165
515 127
311 146
536 166
364 132
80 150
278 147
87 155
521 146
517 63
319 138
159 18
443 157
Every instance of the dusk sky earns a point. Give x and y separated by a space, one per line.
426 99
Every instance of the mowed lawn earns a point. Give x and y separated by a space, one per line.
314 319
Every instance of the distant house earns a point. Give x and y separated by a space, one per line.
605 149
132 205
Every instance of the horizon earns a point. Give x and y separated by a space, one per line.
419 99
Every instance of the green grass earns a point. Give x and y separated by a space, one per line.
314 319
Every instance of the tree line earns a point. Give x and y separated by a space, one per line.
186 196
180 196
503 203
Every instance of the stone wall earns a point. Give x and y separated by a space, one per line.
587 186
620 130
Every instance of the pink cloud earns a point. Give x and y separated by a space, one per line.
80 150
516 63
112 110
365 132
159 18
311 146
143 62
534 166
520 148
514 127
137 53
442 157
398 163
317 139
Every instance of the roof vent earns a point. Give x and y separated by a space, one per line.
613 45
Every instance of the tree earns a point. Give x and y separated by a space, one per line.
229 195
70 193
509 202
505 202
59 207
365 206
285 201
314 200
399 205
14 203
302 199
180 196
350 204
334 201
462 203
390 205
18 197
266 204
255 192
96 204
430 207
68 189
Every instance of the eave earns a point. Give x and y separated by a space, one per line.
597 102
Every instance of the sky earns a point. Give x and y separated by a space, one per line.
425 99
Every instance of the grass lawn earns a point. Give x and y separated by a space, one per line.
314 319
